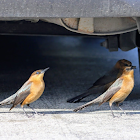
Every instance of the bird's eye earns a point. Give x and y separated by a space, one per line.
37 72
126 64
128 69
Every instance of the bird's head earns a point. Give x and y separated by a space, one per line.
123 63
38 75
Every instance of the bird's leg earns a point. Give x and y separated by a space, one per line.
112 112
26 113
32 109
121 108
110 104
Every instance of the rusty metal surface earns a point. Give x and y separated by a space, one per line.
101 26
68 8
71 22
86 25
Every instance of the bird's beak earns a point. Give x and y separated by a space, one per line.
133 67
43 71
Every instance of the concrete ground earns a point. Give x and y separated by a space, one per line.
75 63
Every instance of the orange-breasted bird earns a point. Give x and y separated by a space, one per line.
117 92
31 90
104 82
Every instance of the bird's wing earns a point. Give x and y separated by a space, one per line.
107 78
115 87
22 93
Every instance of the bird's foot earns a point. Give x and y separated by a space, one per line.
41 114
29 116
123 113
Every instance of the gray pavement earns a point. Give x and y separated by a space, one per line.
75 63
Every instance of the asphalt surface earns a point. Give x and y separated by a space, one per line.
75 63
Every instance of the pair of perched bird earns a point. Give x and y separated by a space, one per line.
115 85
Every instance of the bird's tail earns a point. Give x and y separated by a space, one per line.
9 100
79 97
90 91
97 100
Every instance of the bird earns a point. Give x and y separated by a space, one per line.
31 90
117 92
104 82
